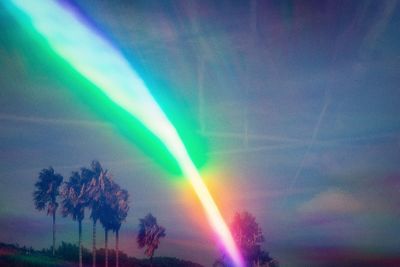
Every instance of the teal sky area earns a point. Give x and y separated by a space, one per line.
294 104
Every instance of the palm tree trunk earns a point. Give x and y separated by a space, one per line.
94 243
151 261
80 243
54 233
106 247
117 248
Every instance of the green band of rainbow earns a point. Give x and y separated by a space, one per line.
99 62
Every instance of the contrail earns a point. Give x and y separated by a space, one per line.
313 137
378 27
102 64
256 149
259 137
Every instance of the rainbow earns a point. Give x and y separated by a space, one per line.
101 63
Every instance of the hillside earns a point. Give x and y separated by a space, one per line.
67 256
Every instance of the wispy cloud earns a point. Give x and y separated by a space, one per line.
137 163
254 149
256 137
42 120
331 202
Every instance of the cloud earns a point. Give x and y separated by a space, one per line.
57 121
332 202
262 137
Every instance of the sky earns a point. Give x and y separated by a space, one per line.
295 104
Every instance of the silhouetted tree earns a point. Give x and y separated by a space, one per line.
120 213
149 235
46 193
108 203
248 236
95 193
74 202
107 210
220 263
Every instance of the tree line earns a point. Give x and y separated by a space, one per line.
93 189
13 255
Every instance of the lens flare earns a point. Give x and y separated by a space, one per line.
98 61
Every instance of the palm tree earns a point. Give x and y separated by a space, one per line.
121 211
96 175
149 235
107 209
46 193
74 202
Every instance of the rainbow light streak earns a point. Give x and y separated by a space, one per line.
102 64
